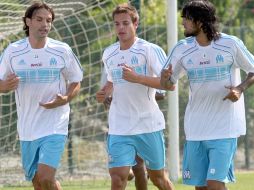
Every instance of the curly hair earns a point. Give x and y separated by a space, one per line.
203 11
32 9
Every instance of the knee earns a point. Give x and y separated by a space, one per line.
117 181
157 181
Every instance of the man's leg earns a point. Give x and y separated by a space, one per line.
46 177
140 174
36 183
160 179
119 177
215 185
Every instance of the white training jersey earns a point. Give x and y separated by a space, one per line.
134 109
209 69
43 73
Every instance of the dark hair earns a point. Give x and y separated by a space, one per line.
126 8
32 9
204 12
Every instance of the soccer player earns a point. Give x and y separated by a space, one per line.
136 123
215 114
138 171
46 76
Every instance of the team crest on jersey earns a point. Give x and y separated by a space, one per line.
134 60
21 62
219 59
53 61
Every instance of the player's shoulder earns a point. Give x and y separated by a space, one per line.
112 49
142 45
18 46
228 41
57 45
185 46
186 43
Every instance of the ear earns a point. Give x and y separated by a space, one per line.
199 24
28 21
136 24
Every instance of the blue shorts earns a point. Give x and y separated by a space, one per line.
122 150
46 150
209 160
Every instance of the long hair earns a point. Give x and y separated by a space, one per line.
127 8
204 12
32 9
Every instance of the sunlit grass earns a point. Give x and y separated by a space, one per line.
245 181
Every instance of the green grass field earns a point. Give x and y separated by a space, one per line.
245 181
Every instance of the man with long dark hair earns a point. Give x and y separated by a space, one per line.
215 114
45 75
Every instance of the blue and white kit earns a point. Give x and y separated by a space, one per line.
134 109
209 69
43 74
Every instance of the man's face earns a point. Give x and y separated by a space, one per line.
40 23
190 28
124 27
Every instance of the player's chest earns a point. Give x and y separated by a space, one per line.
207 58
34 60
134 60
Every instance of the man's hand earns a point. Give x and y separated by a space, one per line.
10 83
234 93
107 102
101 95
60 100
130 75
105 92
165 76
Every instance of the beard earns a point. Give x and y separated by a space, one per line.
194 32
191 33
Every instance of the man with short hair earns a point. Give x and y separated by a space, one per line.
136 123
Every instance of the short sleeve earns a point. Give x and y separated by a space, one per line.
73 71
5 68
244 59
157 59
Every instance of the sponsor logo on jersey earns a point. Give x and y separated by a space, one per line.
120 64
36 64
204 62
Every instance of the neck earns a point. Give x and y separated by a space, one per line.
124 45
37 43
202 39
